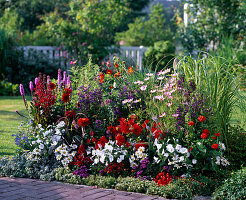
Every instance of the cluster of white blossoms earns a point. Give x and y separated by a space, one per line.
111 152
175 154
47 141
220 160
65 153
137 157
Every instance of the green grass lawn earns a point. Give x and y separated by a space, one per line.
9 121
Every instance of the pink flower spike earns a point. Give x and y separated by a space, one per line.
22 90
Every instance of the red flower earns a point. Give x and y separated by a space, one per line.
191 123
92 133
214 138
112 129
201 118
137 130
217 134
163 179
52 86
110 87
130 70
101 77
94 140
190 149
120 140
215 146
116 65
109 71
67 91
134 117
88 141
70 114
117 74
204 136
65 97
83 121
145 123
127 144
206 131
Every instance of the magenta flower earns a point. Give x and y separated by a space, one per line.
64 78
59 78
36 81
48 80
31 86
22 90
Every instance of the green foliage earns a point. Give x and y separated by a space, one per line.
233 187
145 31
236 147
159 56
8 89
206 26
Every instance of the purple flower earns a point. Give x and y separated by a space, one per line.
59 78
69 83
99 124
64 78
22 90
82 171
36 81
31 86
48 80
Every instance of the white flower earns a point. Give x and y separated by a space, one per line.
111 158
166 155
120 159
163 114
194 161
139 82
102 158
64 152
169 104
217 160
38 141
199 143
224 161
181 158
36 151
152 91
61 124
150 74
41 146
141 149
33 142
156 160
136 101
222 146
161 78
144 87
132 157
146 79
178 147
96 160
170 148
183 150
58 157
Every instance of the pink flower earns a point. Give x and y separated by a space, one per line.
144 87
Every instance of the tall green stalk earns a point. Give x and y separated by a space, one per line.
217 79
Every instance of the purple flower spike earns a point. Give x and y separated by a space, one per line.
48 80
68 81
59 78
36 81
64 78
22 90
31 86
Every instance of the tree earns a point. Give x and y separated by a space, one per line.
213 20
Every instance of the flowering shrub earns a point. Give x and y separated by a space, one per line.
119 122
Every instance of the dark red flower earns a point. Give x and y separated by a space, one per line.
83 121
88 141
52 86
137 130
201 118
92 133
94 140
214 138
70 114
65 97
215 146
217 134
191 123
204 136
145 123
141 144
67 91
120 140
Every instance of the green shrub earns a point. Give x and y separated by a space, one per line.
160 55
105 182
233 187
8 89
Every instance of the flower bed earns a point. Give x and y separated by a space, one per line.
156 127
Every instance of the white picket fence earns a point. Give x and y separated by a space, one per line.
54 54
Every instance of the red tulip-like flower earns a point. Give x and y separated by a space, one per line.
65 97
191 123
217 134
109 71
215 146
83 121
70 114
204 136
201 118
206 131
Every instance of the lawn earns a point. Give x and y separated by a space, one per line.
9 121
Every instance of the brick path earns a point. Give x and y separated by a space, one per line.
30 189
